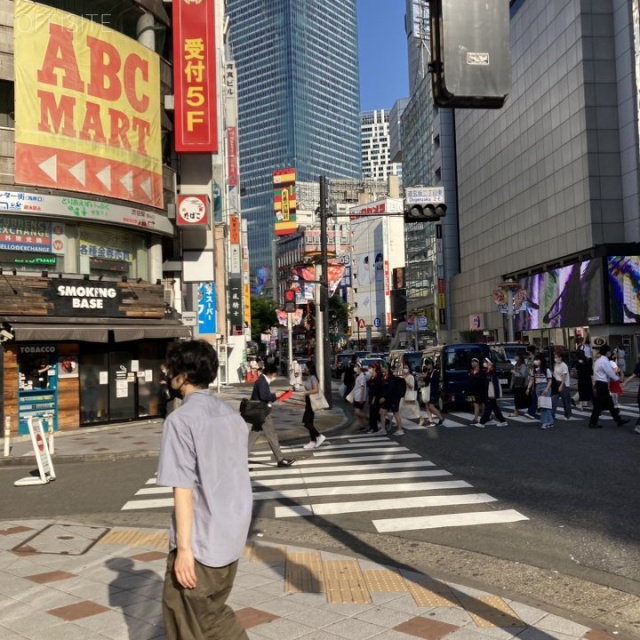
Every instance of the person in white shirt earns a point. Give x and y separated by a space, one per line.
603 373
563 380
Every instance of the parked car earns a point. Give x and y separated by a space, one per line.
509 350
365 363
502 355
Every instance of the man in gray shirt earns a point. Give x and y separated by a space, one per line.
204 458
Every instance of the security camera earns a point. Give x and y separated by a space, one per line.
5 335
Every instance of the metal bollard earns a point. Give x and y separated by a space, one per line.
7 434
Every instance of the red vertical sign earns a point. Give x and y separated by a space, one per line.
194 76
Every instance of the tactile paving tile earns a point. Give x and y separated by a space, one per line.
490 611
384 580
134 538
431 593
304 572
266 554
345 583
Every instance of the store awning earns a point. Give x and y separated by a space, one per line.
97 333
140 332
59 333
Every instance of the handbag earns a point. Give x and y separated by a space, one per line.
545 402
342 389
254 412
410 395
318 401
425 394
351 396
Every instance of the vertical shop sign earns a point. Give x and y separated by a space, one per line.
232 156
194 76
235 301
284 201
207 308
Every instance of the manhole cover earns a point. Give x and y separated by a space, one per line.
62 539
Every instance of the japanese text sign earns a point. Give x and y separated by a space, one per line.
194 76
192 211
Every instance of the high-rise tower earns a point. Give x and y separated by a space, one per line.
298 100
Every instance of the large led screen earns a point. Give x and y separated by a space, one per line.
571 296
624 288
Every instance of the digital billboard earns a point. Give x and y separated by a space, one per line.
624 289
87 107
569 296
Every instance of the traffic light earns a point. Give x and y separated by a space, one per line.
290 301
470 53
423 204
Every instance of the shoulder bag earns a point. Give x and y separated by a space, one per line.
545 402
254 412
318 401
411 394
351 396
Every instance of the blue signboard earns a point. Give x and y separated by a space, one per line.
207 317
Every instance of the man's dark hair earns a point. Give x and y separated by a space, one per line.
604 349
196 359
270 369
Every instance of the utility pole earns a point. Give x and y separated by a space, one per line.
323 347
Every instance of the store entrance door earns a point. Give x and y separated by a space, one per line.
123 388
108 386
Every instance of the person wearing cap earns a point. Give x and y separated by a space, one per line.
603 373
492 393
476 388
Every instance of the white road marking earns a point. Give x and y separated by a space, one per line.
342 468
148 504
335 508
352 477
448 520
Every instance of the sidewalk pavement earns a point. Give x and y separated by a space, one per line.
66 581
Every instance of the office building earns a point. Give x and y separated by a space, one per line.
376 159
298 101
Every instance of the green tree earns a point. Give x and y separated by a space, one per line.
263 316
338 313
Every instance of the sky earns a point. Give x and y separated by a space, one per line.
383 53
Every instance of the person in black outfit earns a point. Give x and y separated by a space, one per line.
349 377
262 392
584 371
476 388
390 400
375 393
493 392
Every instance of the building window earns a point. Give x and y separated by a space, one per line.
7 115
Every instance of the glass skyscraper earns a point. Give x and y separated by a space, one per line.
298 100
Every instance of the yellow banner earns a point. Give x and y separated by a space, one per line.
92 94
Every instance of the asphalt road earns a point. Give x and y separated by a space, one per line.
577 487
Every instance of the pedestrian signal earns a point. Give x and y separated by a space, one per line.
290 301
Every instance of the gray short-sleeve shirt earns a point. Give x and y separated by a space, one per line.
205 448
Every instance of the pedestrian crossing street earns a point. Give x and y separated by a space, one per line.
457 419
391 488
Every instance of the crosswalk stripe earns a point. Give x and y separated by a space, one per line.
335 508
448 520
342 469
153 491
330 447
389 457
359 489
148 504
353 477
389 447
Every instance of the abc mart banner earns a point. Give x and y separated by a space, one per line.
87 107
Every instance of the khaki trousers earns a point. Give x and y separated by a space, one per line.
269 432
200 613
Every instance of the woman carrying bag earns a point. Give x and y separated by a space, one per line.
311 388
360 397
540 384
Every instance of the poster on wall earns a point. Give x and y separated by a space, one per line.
67 367
570 296
623 275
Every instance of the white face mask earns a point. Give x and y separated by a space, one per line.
368 375
405 370
536 362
